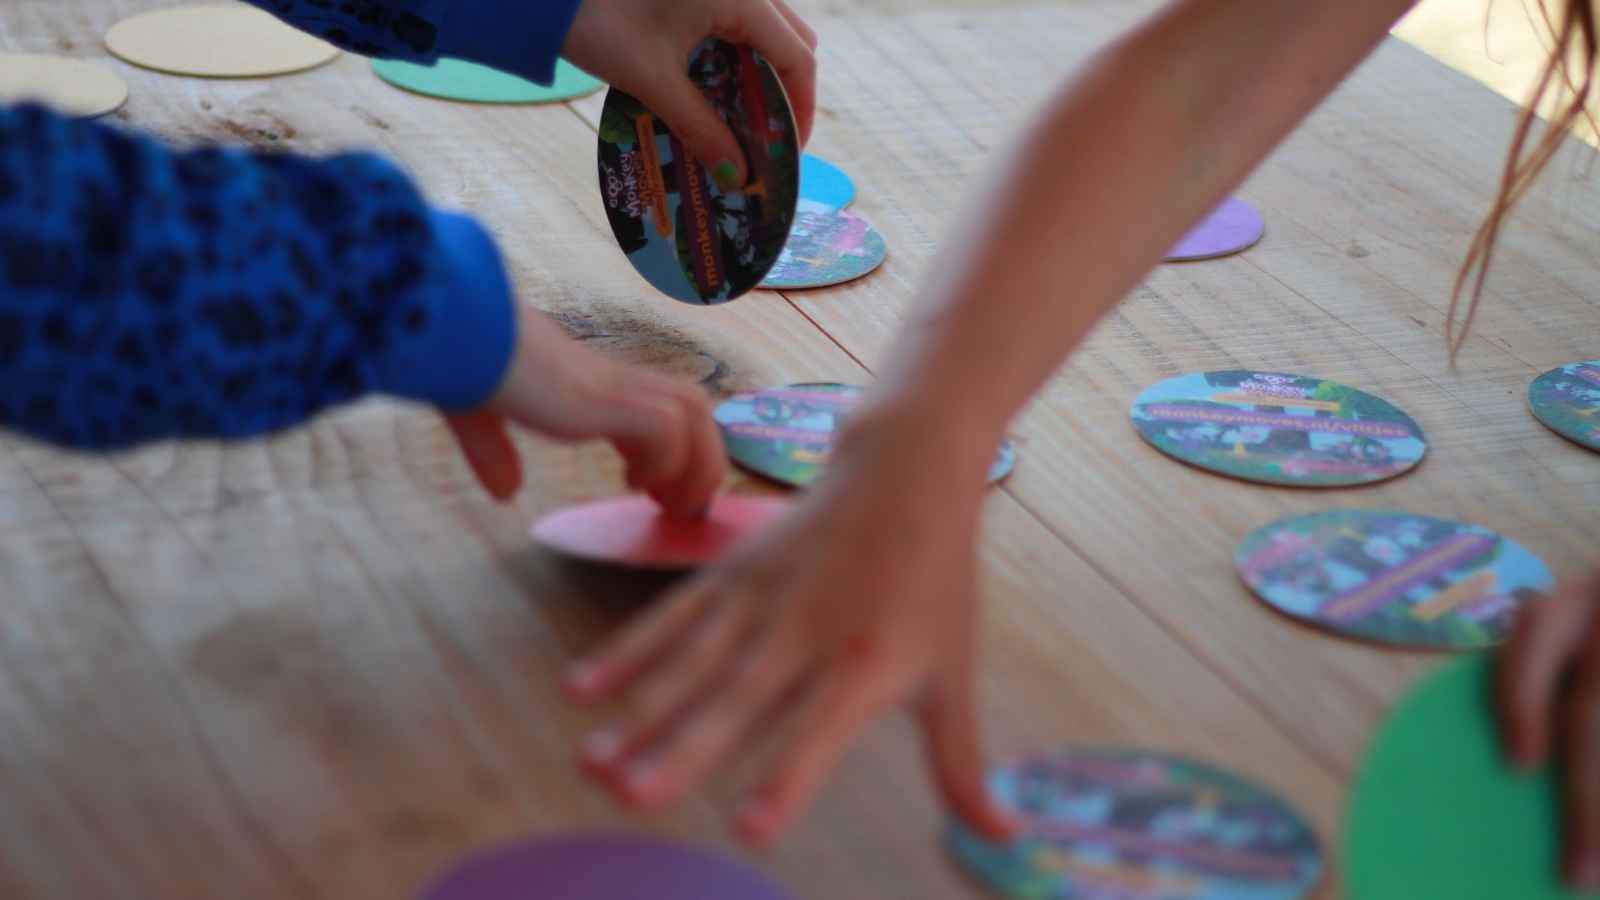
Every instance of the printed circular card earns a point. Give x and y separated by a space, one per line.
787 433
72 87
1567 400
1393 577
455 79
1113 824
634 532
1436 811
826 247
1278 429
689 238
1230 228
234 41
823 182
602 867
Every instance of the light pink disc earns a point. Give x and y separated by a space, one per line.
632 531
1230 228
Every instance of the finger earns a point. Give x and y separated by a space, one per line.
1546 635
843 702
617 663
490 453
705 463
774 36
1581 769
652 442
699 742
806 32
691 117
677 683
950 727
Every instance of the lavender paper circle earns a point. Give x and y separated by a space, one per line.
601 867
1230 228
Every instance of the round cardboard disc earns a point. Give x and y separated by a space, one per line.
633 532
455 79
689 238
826 246
1122 823
1436 811
1567 401
786 433
1278 429
601 867
1393 577
233 41
825 183
72 87
1230 228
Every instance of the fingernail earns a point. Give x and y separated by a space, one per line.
726 175
1585 873
601 747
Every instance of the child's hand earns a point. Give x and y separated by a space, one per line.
863 598
1549 686
643 46
563 390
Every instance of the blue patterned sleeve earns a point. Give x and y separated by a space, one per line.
523 37
148 294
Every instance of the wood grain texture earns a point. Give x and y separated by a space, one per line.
323 665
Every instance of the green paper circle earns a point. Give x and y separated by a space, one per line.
1436 811
455 79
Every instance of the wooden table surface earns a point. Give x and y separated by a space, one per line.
324 665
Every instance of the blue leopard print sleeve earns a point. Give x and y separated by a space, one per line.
523 37
148 294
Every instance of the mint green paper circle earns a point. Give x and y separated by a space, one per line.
1436 810
454 79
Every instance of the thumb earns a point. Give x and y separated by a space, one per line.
487 446
950 727
691 117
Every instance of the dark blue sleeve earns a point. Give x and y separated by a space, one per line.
523 37
148 294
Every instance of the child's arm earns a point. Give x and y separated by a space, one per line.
147 294
866 596
641 46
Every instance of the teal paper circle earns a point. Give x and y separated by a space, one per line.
455 79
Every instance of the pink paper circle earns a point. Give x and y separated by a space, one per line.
632 531
1230 228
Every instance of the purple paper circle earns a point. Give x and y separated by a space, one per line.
601 867
1230 228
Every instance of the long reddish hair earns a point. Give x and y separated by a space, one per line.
1569 77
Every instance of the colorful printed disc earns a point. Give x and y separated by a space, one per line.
633 532
826 247
1393 577
602 867
687 237
1114 824
1230 228
1436 812
786 433
1278 429
823 182
455 79
1567 400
